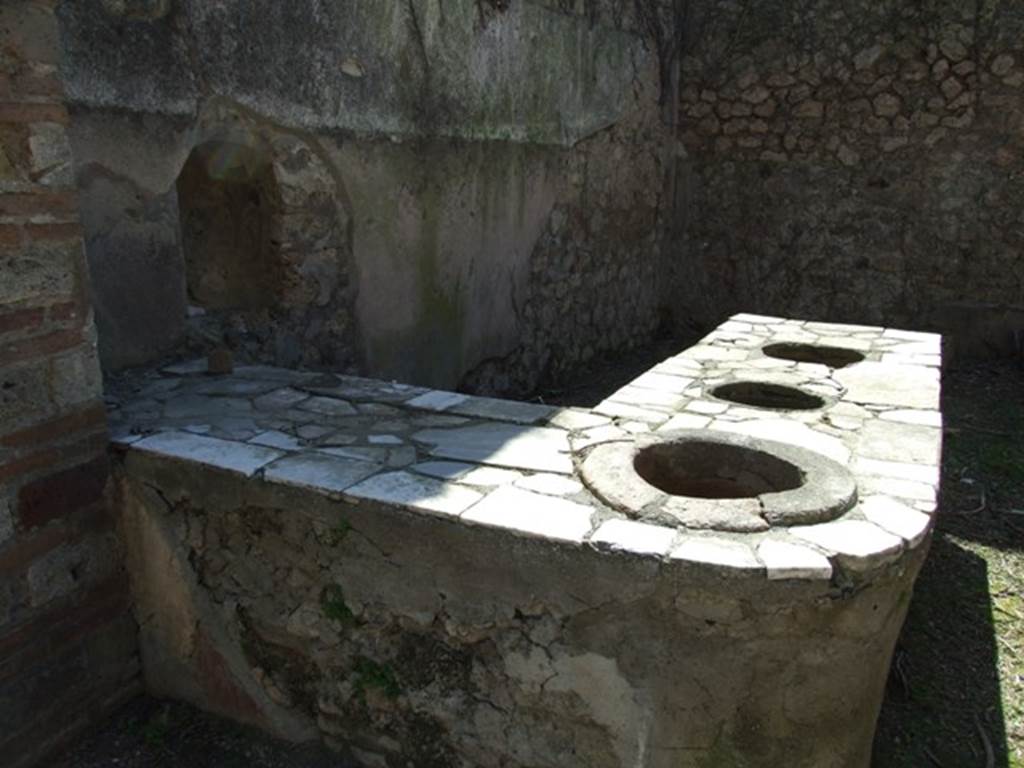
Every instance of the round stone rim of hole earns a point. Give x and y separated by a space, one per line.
820 354
767 395
809 488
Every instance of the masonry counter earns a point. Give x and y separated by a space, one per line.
709 568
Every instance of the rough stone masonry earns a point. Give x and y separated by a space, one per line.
857 161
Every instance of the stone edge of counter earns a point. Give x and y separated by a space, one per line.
878 530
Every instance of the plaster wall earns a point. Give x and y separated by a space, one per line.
455 139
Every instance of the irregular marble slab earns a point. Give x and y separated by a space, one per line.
225 454
532 513
437 400
710 550
538 448
416 491
552 485
783 560
328 406
503 410
310 470
906 386
620 535
275 439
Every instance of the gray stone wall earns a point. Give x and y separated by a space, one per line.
495 172
858 163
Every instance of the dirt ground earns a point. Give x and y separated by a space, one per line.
956 691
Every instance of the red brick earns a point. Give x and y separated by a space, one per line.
18 554
65 312
25 549
20 319
65 624
40 346
95 519
105 602
62 493
34 85
88 446
27 464
51 232
51 203
63 426
73 616
33 113
10 236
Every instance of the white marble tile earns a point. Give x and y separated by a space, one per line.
311 470
567 418
275 439
552 485
909 416
598 435
384 440
685 421
648 398
533 514
188 368
504 445
224 454
279 399
902 386
717 551
410 490
909 524
856 541
437 400
490 477
918 473
783 560
706 406
793 433
328 406
627 411
443 470
503 410
620 535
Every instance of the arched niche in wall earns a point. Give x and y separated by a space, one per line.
266 248
225 199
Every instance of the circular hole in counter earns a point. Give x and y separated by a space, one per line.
774 397
833 357
708 469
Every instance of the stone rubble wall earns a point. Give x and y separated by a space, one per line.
858 163
494 226
67 639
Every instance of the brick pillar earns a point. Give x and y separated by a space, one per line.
67 641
